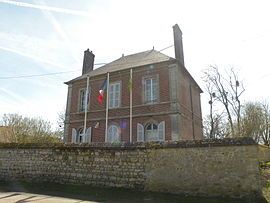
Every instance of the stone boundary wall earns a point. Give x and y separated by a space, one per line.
264 153
226 167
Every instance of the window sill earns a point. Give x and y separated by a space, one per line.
79 112
151 103
115 107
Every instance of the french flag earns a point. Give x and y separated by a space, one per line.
102 91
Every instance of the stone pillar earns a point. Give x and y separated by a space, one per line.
175 127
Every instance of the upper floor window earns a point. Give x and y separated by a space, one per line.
150 90
82 96
114 95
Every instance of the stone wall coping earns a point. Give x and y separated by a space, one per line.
243 141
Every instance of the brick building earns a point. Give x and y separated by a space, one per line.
164 98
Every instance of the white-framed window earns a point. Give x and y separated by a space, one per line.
140 133
151 90
151 132
114 95
80 137
113 134
82 95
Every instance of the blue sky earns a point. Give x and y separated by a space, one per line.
39 37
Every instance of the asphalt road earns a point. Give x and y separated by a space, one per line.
22 197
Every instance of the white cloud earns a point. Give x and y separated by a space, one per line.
58 29
47 8
14 96
46 51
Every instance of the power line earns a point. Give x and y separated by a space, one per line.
37 75
166 48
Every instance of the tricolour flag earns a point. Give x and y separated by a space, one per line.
101 91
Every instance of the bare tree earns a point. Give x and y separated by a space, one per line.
265 132
252 120
61 123
215 127
255 121
236 90
227 91
23 129
213 122
211 94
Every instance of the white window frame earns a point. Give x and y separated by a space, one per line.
80 136
159 132
109 137
140 133
81 99
153 131
113 95
153 98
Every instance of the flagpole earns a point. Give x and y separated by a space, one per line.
85 105
107 106
130 107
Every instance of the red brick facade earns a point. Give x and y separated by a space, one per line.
174 114
142 113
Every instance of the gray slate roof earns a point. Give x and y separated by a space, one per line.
126 62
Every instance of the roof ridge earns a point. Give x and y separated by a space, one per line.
132 60
130 55
138 53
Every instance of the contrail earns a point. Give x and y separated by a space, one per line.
13 95
48 8
31 56
60 31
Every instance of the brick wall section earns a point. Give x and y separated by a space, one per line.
98 133
159 111
200 167
190 107
123 76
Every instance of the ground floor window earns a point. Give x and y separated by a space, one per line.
113 134
78 136
152 131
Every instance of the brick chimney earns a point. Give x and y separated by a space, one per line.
88 61
178 44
